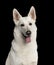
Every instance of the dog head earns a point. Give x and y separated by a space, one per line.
26 25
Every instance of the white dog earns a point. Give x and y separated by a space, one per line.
24 47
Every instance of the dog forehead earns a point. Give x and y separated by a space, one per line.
25 19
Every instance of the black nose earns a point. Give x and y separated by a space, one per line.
28 32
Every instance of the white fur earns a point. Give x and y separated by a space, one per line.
20 52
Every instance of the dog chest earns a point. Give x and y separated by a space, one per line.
24 56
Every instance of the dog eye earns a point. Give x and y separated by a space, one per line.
22 25
30 23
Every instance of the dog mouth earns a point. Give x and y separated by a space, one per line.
27 38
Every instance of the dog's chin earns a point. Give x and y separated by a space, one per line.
27 38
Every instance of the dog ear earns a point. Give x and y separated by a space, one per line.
32 13
16 15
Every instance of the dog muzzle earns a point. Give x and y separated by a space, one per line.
27 37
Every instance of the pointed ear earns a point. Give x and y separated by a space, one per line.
16 15
32 13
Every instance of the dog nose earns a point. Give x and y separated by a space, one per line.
28 32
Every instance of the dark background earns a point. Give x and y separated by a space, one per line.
7 26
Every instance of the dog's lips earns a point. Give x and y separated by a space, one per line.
27 38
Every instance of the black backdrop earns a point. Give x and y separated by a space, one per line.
7 25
